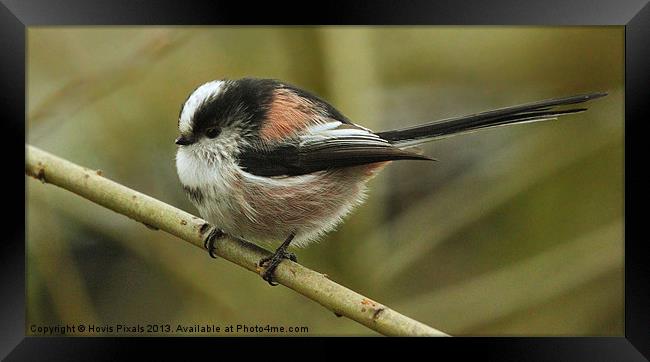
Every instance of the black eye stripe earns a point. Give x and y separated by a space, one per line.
244 100
213 132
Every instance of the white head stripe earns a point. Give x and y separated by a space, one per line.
201 94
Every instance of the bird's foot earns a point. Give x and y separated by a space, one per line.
211 239
269 263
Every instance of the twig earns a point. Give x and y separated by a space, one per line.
156 214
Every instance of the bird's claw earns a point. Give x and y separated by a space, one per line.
270 263
211 239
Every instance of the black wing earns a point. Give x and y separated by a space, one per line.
333 148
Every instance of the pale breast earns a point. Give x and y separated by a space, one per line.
307 205
265 210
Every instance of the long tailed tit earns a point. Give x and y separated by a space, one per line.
268 162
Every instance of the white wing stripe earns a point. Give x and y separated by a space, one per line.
320 127
329 135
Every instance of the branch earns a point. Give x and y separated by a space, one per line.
158 215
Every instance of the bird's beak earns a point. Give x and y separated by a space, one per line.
184 141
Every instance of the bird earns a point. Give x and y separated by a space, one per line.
270 163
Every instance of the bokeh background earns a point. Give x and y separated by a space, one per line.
514 231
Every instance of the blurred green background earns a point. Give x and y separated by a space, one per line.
515 231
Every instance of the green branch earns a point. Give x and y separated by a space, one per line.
156 214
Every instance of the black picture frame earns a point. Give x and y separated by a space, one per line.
17 15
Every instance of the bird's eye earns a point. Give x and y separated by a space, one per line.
212 132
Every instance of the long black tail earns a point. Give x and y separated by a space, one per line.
531 112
